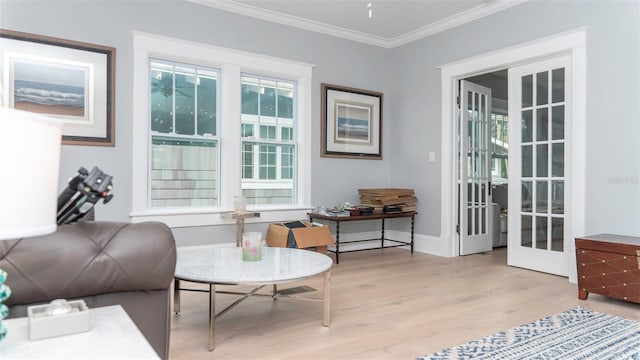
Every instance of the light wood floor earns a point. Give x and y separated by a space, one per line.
386 304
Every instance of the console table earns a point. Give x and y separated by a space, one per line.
609 265
382 217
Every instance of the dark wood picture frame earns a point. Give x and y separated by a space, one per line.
70 80
351 123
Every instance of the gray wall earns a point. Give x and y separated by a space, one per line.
337 61
408 76
613 110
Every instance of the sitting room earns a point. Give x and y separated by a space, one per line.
187 130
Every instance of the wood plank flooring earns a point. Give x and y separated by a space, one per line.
385 304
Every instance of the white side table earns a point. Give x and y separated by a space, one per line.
113 335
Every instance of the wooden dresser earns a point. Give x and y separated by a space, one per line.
609 265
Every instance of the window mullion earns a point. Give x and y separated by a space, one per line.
173 99
195 103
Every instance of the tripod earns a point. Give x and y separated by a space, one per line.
83 191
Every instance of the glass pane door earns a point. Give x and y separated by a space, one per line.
475 168
537 226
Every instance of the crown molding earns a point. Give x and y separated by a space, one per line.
311 25
453 21
290 20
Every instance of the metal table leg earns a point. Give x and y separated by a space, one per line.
176 296
212 317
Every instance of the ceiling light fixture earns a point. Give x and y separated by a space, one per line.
370 10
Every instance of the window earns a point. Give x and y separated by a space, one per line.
184 146
204 131
268 104
247 161
500 148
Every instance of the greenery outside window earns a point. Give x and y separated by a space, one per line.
184 142
500 148
268 104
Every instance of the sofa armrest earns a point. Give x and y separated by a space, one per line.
89 258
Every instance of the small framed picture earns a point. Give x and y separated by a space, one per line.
351 123
65 79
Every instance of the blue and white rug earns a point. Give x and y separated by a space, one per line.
574 334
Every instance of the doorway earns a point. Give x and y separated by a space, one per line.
573 44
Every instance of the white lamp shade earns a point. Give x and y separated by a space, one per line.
30 163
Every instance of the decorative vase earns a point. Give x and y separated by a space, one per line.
5 292
239 204
252 246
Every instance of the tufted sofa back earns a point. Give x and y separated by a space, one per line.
88 258
104 263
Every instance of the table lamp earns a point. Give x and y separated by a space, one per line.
30 163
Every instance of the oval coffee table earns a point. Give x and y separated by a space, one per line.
215 265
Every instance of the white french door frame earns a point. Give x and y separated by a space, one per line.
538 258
572 43
474 168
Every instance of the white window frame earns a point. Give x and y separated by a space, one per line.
231 64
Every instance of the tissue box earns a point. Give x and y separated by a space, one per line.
42 326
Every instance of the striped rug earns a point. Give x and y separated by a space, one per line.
574 334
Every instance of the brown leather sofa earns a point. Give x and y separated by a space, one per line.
104 263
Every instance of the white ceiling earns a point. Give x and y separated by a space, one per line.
393 22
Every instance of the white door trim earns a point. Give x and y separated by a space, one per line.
573 43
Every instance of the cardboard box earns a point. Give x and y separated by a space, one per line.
301 235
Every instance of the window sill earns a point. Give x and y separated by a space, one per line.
214 217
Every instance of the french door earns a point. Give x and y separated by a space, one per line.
474 167
539 183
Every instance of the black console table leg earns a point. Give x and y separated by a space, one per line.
412 227
337 242
382 235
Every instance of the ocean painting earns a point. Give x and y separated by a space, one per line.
353 124
51 89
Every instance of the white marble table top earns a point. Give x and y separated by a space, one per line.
224 265
113 335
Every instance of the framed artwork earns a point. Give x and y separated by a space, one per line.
69 80
351 123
